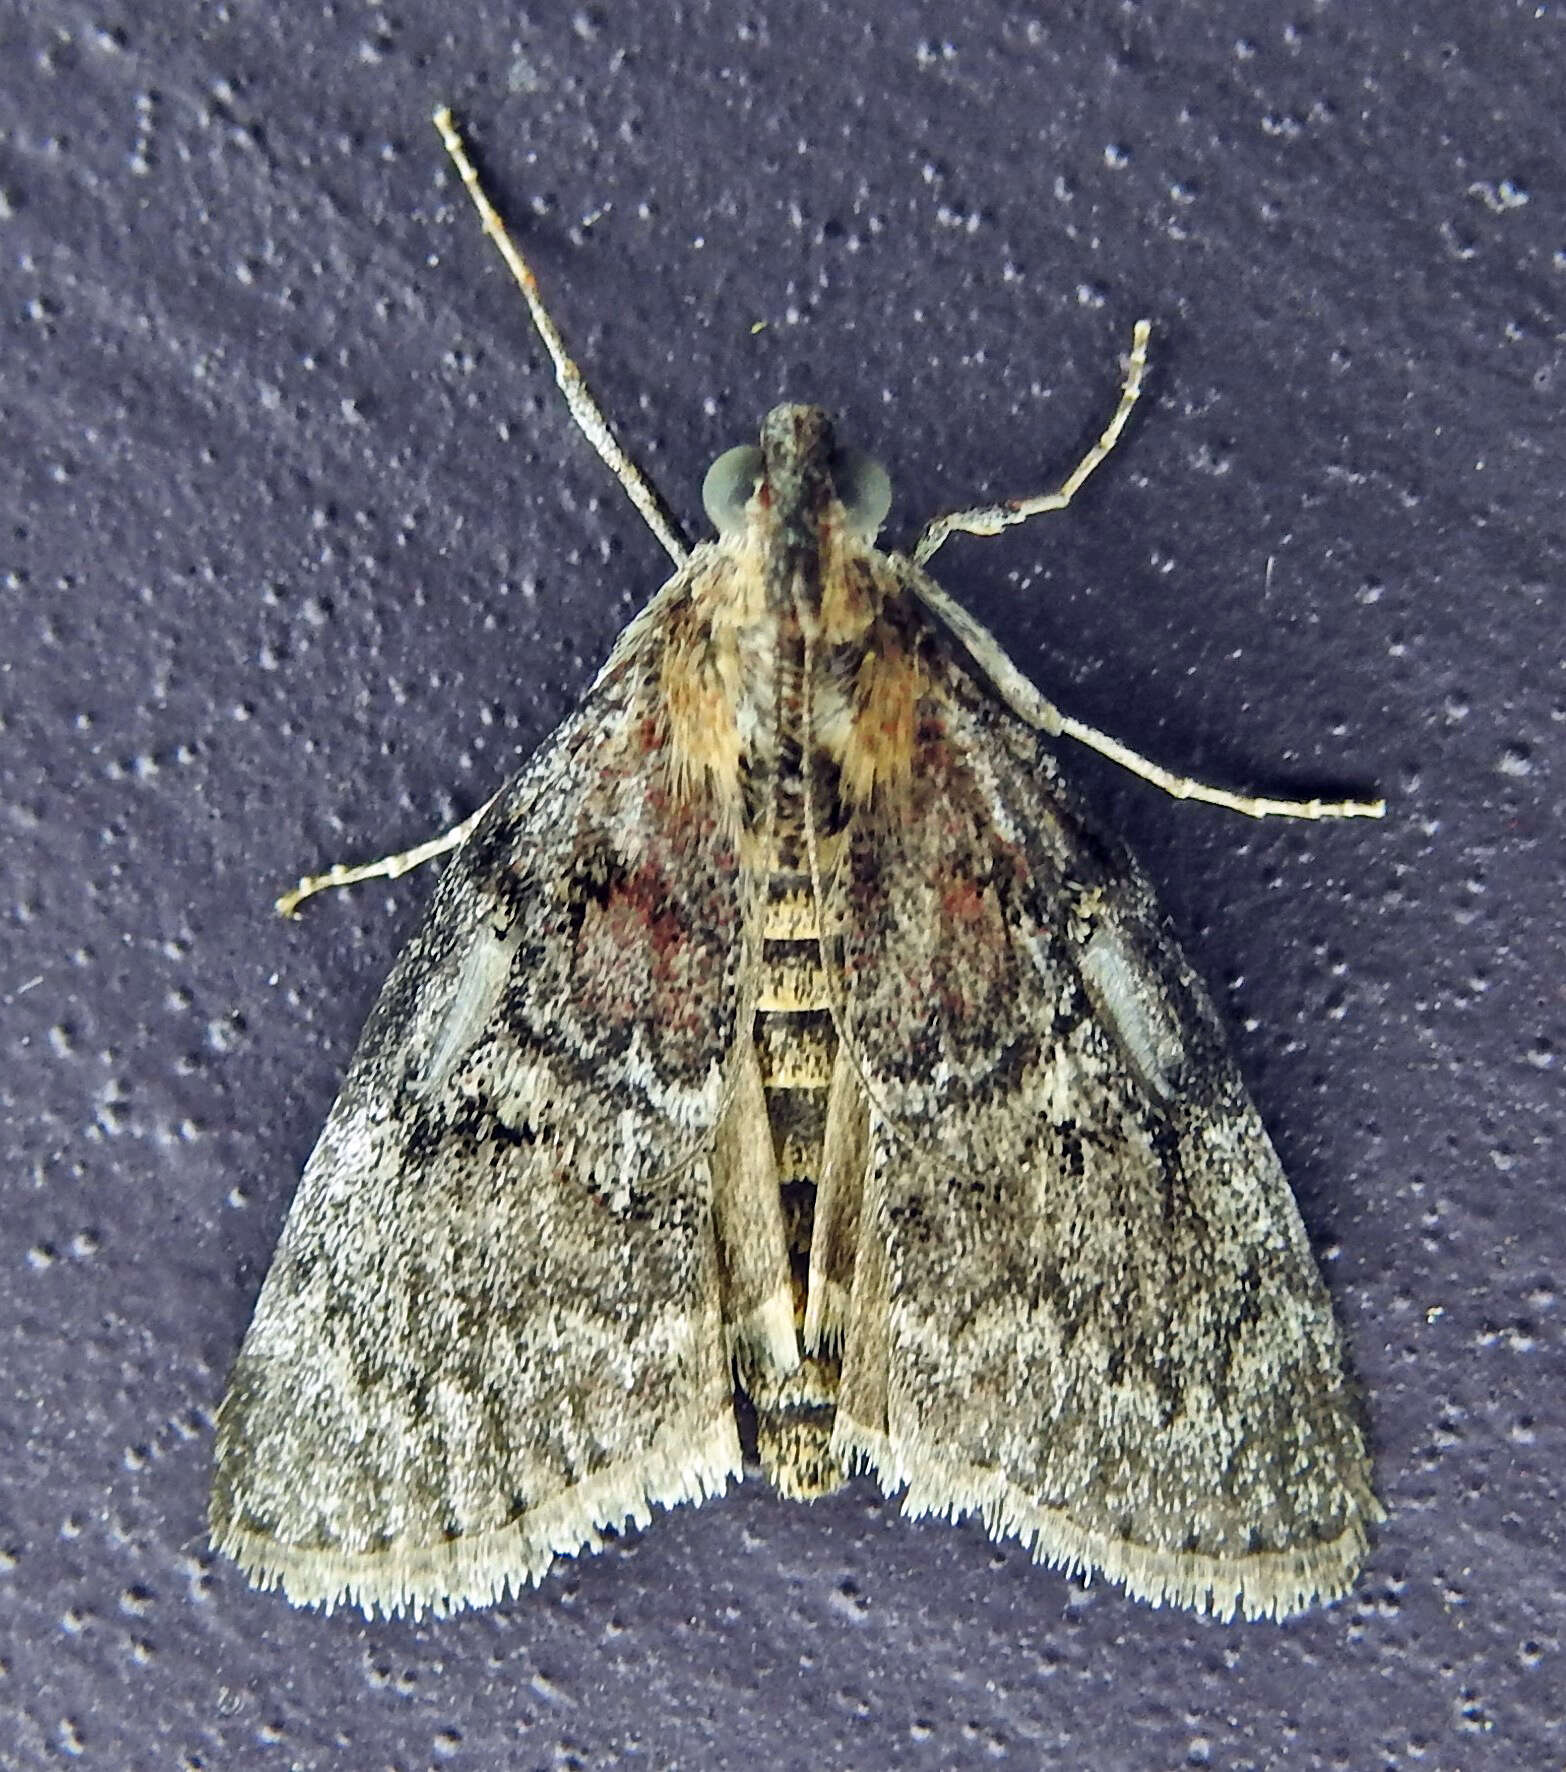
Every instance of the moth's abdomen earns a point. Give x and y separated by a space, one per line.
796 1047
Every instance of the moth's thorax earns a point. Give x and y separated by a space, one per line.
795 639
809 545
795 510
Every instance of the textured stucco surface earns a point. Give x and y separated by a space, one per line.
300 553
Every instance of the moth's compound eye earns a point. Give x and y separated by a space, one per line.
864 489
729 484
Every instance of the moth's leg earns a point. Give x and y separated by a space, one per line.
584 408
389 867
992 519
1028 704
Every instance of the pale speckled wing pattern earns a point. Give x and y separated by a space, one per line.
1084 1305
496 1298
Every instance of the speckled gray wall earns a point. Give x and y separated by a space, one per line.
300 553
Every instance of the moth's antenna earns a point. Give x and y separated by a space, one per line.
584 408
1015 689
992 519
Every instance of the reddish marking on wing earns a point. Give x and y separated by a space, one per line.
961 902
651 952
972 967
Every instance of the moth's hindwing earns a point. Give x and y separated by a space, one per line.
1084 1305
492 1326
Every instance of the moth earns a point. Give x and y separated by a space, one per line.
788 1026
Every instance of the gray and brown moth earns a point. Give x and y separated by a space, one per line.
787 1024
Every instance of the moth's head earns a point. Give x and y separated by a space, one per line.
800 474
